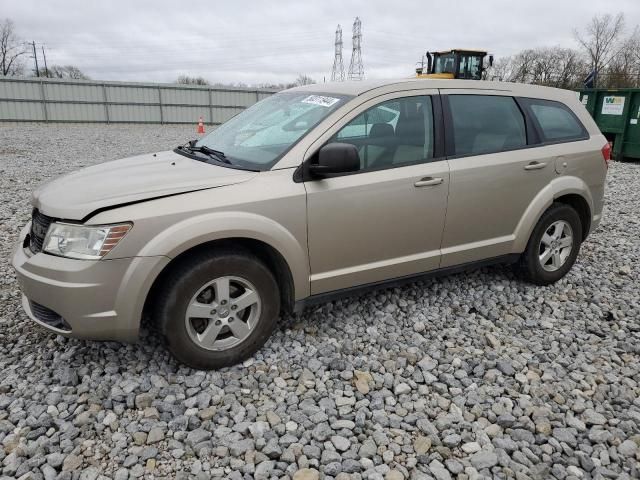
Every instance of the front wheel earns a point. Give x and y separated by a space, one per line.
553 246
217 309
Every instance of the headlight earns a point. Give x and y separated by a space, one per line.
83 241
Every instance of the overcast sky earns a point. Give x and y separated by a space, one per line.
275 40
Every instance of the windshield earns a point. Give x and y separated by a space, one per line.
258 137
471 67
445 64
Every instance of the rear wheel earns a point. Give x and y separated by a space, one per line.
553 246
217 309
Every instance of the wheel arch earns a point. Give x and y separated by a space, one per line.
272 258
569 190
581 206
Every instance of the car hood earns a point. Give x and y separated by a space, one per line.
78 194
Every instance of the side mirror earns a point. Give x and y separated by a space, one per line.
491 60
336 158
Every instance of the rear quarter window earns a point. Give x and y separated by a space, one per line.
556 121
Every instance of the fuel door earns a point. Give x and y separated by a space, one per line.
561 165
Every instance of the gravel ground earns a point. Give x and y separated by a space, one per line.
471 376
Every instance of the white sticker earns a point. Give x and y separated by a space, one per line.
585 99
320 100
634 121
613 105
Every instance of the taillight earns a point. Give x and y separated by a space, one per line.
606 153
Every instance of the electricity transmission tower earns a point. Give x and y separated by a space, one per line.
337 74
356 69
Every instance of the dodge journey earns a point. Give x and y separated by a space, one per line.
314 192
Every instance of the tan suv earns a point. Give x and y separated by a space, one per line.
314 192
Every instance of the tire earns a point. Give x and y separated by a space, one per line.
532 265
198 283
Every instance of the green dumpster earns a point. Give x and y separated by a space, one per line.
617 113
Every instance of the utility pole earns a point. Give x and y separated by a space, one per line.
35 58
44 56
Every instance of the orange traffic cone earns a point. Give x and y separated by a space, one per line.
200 126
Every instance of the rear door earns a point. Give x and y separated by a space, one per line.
494 175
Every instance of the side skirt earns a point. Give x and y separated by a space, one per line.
358 290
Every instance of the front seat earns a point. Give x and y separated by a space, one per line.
410 138
379 146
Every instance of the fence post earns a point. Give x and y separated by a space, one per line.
106 104
160 105
257 96
210 106
44 102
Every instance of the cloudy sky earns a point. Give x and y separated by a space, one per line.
275 40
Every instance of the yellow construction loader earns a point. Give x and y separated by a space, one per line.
457 63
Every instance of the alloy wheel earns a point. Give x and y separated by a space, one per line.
223 313
555 246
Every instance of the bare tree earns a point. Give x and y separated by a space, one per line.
501 70
524 64
11 49
187 80
633 47
64 71
272 86
555 67
601 38
571 68
304 80
623 69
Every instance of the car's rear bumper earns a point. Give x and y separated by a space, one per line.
97 300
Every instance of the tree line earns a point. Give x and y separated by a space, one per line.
607 51
300 80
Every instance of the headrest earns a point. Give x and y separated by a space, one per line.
379 130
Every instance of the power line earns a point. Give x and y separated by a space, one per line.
337 74
356 69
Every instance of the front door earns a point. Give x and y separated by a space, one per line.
386 220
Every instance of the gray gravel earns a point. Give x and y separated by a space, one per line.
471 376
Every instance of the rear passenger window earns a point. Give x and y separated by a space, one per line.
556 121
486 124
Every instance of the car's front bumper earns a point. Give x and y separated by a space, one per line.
96 299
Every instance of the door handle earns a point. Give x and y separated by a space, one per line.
428 182
535 166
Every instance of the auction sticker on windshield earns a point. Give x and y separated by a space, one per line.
320 100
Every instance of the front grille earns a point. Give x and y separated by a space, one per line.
48 316
39 226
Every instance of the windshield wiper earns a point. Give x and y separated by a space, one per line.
216 154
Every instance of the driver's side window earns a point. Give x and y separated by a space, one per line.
393 133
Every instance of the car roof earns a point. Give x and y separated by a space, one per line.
356 88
